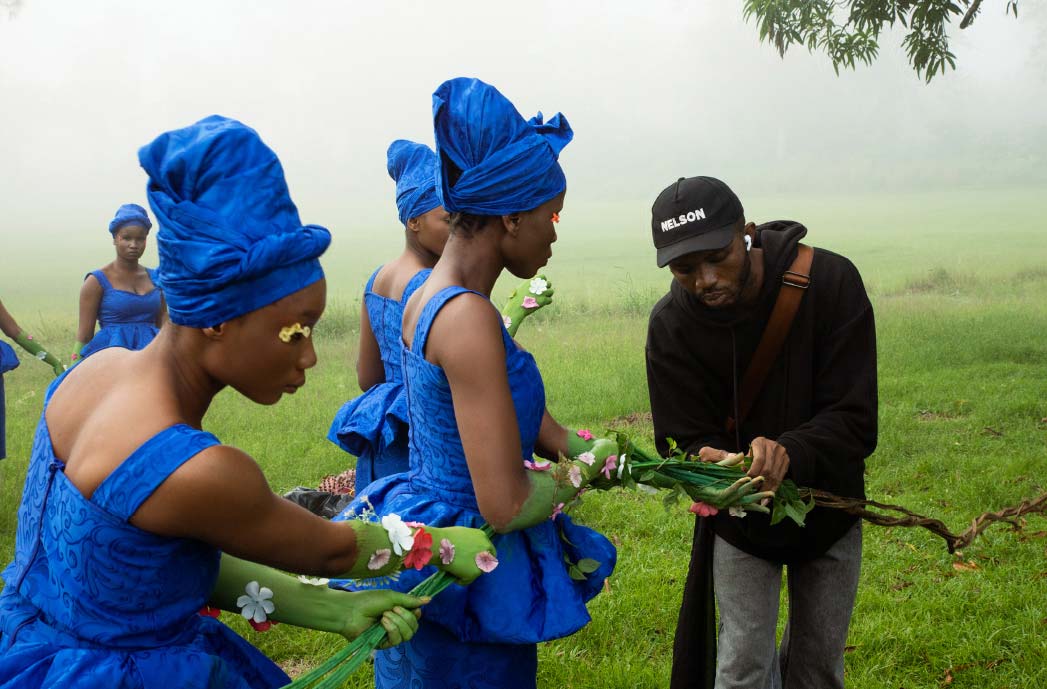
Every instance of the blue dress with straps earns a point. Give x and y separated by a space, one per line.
373 426
483 635
92 601
125 319
8 362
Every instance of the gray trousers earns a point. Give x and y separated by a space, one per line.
821 599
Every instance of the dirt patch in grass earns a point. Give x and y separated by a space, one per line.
296 666
636 418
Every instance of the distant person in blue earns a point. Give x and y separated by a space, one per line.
476 406
9 361
123 296
373 426
133 518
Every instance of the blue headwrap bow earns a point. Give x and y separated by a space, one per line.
507 164
129 214
230 238
413 167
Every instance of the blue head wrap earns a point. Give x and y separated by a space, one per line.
230 238
129 214
507 164
413 167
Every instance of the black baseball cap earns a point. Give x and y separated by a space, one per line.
693 214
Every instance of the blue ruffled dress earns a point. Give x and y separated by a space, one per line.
8 362
483 635
92 601
373 426
125 319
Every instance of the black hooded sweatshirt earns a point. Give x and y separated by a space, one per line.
819 401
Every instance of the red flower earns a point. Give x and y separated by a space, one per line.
262 626
421 551
209 611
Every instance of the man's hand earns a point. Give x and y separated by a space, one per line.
711 454
770 460
398 614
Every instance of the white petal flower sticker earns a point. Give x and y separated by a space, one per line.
256 605
379 559
507 321
399 533
575 474
736 511
587 457
538 286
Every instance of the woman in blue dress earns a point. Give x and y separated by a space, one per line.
133 517
123 296
9 361
477 413
373 426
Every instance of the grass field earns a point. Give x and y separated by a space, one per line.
959 284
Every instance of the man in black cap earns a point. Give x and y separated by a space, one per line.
765 344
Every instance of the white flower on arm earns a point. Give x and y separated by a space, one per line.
538 286
399 533
313 581
508 322
256 605
736 511
587 457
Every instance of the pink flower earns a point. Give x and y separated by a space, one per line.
486 562
703 509
557 511
446 551
585 434
379 559
609 465
538 465
575 474
587 457
530 303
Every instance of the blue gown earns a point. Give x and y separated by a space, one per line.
8 362
92 601
125 319
484 635
373 426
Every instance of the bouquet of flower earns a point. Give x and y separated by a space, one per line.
334 672
711 486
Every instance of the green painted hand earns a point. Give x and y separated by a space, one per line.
26 342
398 614
457 551
528 297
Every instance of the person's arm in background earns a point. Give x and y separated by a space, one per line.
10 328
90 301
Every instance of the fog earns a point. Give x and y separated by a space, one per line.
654 91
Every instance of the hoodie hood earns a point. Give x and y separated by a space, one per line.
778 239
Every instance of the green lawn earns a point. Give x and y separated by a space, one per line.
960 291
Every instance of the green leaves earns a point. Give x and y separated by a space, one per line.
789 503
848 31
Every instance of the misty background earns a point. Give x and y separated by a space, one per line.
653 91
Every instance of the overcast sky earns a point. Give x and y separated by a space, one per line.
654 90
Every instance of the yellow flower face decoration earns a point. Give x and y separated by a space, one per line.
289 331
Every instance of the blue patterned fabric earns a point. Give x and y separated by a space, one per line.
492 161
488 629
125 319
373 426
230 237
92 601
413 167
129 214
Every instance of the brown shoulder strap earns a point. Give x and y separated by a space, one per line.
795 282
